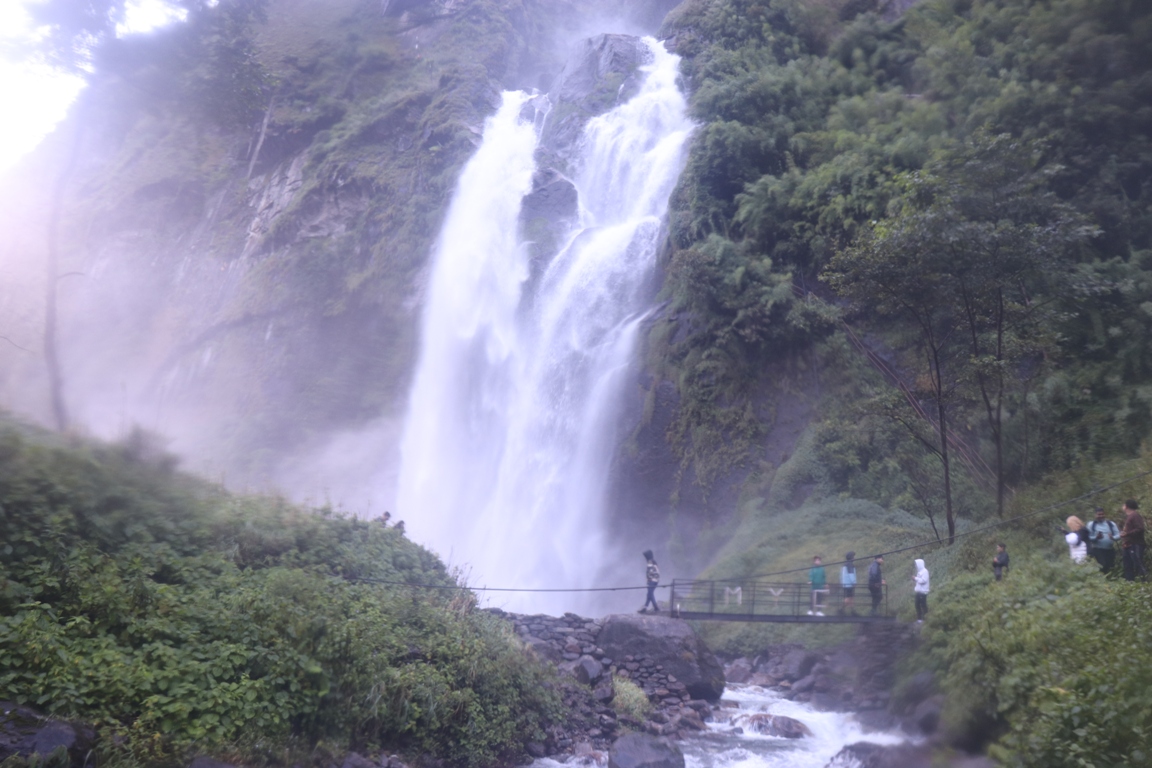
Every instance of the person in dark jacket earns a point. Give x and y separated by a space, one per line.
652 577
1000 561
1132 541
876 582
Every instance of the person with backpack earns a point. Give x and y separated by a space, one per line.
652 577
1102 537
848 582
876 582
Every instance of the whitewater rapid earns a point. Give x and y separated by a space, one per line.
513 412
726 745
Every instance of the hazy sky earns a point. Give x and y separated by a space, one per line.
35 98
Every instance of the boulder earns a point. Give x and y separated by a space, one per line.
739 671
672 643
774 725
639 750
585 669
543 649
797 664
25 732
926 716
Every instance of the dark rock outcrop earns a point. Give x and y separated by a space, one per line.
638 750
681 652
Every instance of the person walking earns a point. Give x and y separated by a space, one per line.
848 582
1132 541
1000 561
1102 537
920 588
876 582
818 579
1077 548
652 577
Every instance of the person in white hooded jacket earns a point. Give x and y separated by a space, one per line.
921 589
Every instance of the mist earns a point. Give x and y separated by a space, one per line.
186 311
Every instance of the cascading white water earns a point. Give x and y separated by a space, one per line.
510 429
729 742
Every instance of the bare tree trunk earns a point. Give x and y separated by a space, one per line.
942 415
52 278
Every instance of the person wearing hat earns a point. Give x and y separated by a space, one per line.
652 576
1102 537
848 581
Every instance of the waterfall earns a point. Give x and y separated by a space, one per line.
511 424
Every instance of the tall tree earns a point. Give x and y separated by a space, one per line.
974 251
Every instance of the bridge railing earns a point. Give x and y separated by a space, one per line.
771 601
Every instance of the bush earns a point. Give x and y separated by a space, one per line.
630 700
177 618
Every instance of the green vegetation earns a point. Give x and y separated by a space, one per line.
936 229
179 618
629 699
1052 664
1009 140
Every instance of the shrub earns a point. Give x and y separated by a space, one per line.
177 617
630 700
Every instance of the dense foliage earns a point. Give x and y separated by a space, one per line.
1050 667
1009 139
176 616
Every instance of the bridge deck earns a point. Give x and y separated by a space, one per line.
776 602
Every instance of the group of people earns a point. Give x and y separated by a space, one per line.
1101 537
818 580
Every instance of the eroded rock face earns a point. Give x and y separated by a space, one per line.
639 750
602 72
680 651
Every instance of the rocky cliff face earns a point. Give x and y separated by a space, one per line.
254 293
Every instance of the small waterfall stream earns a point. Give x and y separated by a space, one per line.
511 423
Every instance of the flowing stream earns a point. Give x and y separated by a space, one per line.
726 744
511 424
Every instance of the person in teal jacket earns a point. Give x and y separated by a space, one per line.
819 581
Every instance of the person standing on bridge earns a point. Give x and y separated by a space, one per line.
652 576
819 581
876 582
848 581
920 587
